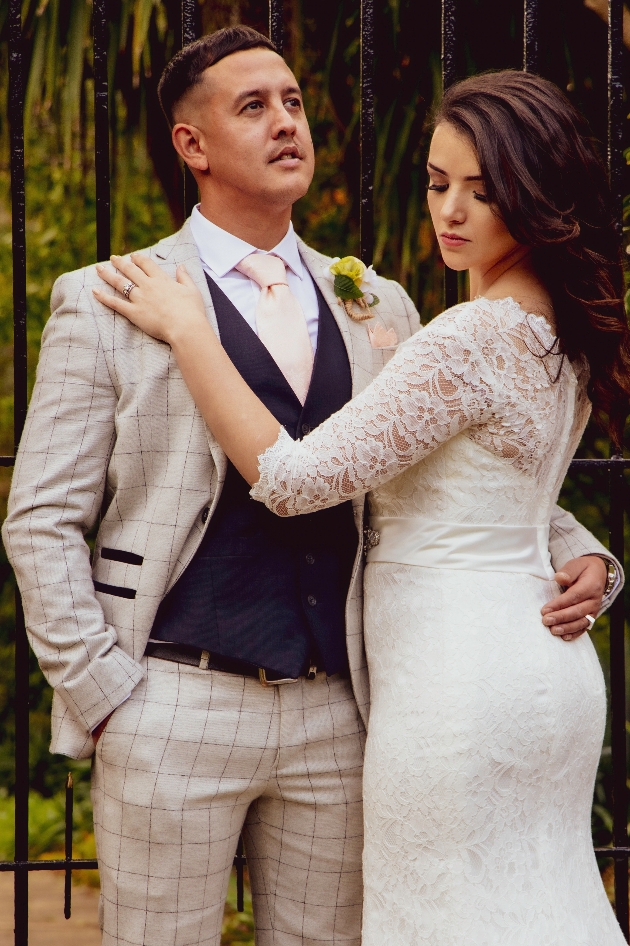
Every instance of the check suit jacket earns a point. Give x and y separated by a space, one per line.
112 431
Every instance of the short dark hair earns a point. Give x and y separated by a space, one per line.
188 65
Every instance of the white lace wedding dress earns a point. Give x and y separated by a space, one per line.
485 730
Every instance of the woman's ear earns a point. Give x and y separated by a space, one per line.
187 142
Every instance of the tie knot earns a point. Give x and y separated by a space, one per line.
263 268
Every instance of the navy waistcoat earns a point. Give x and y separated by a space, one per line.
270 590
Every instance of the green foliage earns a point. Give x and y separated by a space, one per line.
238 927
46 829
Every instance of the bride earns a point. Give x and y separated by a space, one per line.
485 730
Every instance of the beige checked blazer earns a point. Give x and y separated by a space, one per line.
113 432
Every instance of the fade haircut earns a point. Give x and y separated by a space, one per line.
186 68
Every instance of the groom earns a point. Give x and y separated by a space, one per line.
213 652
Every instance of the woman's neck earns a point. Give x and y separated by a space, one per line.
514 276
491 281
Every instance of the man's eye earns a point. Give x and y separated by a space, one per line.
437 187
482 197
294 103
252 106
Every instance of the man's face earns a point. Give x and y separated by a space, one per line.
253 138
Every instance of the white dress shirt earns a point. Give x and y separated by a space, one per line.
221 251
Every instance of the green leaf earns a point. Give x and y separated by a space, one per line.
375 301
346 288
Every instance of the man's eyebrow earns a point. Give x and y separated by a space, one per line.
259 93
471 177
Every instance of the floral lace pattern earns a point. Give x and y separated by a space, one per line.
482 367
485 731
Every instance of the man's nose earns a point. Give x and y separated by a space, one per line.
283 122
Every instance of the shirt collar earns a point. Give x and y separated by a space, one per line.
221 251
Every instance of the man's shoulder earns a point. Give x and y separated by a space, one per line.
76 280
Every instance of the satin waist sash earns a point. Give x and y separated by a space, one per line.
476 547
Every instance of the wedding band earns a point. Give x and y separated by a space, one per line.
127 289
591 621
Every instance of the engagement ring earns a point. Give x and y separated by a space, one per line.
127 289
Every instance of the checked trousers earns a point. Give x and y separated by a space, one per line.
193 758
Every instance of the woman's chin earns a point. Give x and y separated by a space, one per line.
453 261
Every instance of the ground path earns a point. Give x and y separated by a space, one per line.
47 926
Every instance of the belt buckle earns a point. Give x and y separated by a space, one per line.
262 676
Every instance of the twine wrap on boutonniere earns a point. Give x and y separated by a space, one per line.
352 284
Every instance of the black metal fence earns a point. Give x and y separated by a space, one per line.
614 468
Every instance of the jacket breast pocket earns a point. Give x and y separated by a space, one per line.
380 357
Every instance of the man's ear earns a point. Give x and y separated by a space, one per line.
187 142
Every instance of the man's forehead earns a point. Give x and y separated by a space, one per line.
255 70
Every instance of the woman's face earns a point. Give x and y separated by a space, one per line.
470 235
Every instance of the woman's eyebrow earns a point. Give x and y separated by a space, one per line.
471 177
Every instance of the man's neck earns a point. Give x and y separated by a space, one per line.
262 227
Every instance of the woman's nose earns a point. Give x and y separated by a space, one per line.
453 209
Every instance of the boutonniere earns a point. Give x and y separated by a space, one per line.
353 282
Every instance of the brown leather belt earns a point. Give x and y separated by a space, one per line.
196 657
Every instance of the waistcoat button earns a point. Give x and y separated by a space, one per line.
306 429
312 600
205 514
310 559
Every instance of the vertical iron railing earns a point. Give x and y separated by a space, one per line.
18 208
189 34
276 24
531 36
616 521
101 131
614 467
367 133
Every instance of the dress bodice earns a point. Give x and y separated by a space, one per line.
474 420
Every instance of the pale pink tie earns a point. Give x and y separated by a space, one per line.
280 320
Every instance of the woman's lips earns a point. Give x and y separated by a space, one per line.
451 239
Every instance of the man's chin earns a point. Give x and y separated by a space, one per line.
288 192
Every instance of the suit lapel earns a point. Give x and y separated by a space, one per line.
354 334
180 248
355 338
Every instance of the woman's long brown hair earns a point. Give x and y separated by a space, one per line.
544 177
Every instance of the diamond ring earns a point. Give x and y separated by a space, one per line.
127 289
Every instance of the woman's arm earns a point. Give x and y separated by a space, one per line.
439 383
174 313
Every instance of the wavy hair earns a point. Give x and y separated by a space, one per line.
544 178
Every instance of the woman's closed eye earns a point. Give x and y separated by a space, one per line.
478 196
437 187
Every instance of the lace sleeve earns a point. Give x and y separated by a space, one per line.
441 381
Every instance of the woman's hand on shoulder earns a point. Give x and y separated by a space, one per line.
158 304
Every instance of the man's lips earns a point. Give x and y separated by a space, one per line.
453 239
287 155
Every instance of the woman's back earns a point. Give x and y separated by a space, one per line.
508 464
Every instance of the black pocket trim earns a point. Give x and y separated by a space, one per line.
118 555
115 590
